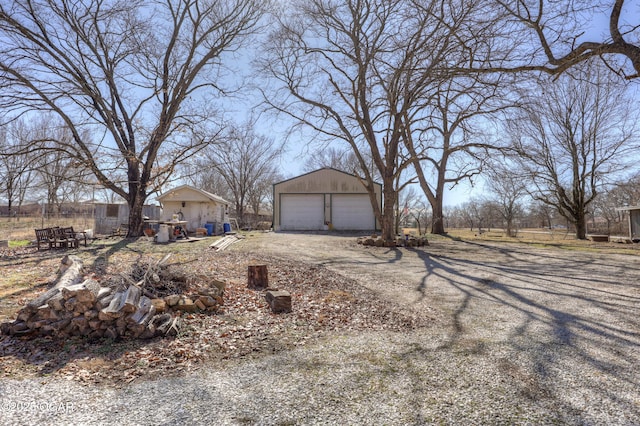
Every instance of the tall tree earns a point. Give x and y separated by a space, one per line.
572 135
353 71
16 170
136 70
248 164
450 143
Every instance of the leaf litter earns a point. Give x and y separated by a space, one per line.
323 303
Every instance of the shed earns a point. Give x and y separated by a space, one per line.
116 215
196 206
634 221
324 199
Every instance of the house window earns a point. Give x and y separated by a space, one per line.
112 210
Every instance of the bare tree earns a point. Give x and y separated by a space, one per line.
451 142
16 171
353 71
507 189
572 135
558 29
248 164
333 157
136 70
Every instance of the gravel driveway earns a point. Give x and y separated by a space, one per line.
519 335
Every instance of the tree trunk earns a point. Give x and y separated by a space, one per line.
581 227
437 222
135 219
388 210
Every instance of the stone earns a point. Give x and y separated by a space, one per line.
201 306
172 299
159 304
186 305
207 301
279 300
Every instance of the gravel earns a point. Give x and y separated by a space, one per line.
519 335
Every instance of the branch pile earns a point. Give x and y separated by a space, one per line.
76 306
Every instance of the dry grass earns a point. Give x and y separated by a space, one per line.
20 229
540 237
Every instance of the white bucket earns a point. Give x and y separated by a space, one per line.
89 233
163 234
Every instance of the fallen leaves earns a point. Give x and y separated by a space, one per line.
323 302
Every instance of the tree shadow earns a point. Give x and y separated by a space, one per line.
565 317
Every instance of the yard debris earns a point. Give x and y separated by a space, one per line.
240 325
400 241
74 308
226 241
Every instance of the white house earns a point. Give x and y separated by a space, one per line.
324 199
195 206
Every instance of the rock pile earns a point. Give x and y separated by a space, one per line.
72 308
400 241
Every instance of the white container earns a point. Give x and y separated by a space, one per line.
89 233
163 234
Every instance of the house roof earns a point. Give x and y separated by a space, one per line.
318 170
628 208
171 194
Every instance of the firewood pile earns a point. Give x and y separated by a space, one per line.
400 241
75 306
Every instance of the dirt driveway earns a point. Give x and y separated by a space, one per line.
564 326
518 335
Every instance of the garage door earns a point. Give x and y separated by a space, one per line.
352 212
301 212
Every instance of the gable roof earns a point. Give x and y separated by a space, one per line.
172 192
318 170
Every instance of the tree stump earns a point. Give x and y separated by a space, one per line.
258 278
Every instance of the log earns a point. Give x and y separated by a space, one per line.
72 266
279 301
112 311
129 301
257 277
42 299
85 292
143 307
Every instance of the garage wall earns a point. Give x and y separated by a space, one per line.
340 192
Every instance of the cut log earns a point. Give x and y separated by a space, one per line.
160 305
42 299
257 277
56 302
129 301
112 311
279 300
143 307
85 292
104 299
72 272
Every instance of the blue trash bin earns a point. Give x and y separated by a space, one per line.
227 227
209 228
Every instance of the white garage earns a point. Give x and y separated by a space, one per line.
352 211
322 200
301 212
